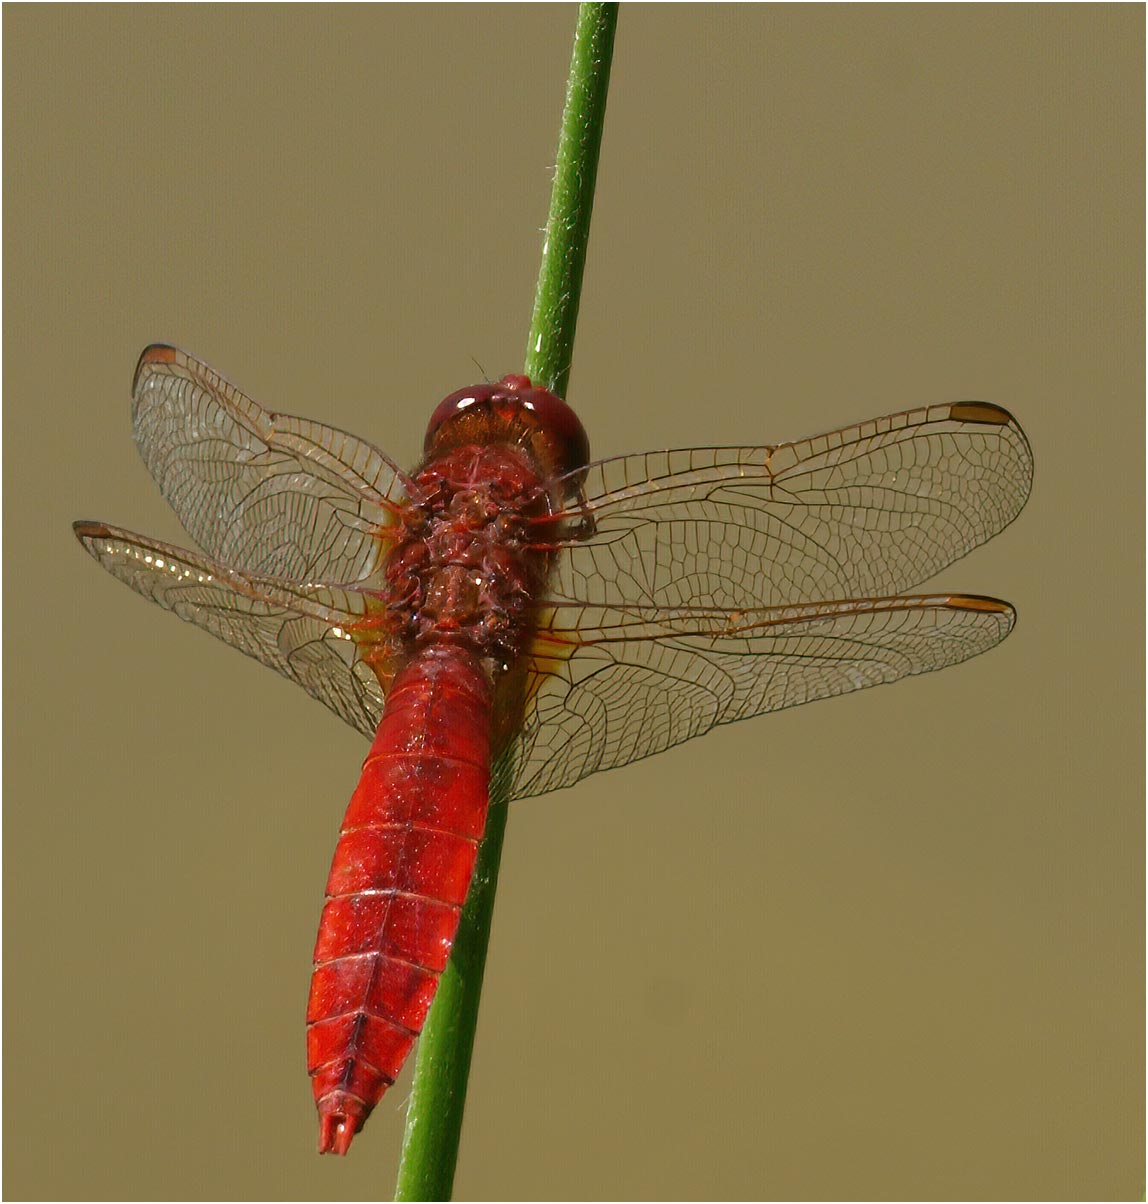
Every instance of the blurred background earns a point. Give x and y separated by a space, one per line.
885 947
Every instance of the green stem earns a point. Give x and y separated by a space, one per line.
442 1064
551 342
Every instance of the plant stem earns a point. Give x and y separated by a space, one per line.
551 342
442 1064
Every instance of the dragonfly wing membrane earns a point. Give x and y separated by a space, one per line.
268 493
870 510
302 632
628 683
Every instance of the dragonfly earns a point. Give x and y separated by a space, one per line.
511 617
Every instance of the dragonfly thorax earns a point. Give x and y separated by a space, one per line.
467 571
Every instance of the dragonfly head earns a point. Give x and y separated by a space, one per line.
515 411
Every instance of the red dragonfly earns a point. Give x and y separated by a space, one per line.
511 608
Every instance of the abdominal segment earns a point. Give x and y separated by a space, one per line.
398 880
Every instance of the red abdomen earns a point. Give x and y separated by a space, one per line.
398 880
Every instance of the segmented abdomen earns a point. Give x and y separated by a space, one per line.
397 884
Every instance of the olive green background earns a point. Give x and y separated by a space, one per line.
885 947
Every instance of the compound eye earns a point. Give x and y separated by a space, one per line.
561 426
514 401
459 402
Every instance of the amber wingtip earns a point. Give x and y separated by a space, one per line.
154 353
984 412
85 528
980 602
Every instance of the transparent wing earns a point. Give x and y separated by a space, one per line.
869 510
301 631
266 493
612 685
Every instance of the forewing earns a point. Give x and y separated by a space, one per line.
870 510
612 685
300 631
267 493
